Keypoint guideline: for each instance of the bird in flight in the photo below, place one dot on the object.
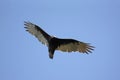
(54, 43)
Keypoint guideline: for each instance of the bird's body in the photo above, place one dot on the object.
(54, 43)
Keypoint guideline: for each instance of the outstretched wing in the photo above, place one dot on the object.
(37, 32)
(69, 45)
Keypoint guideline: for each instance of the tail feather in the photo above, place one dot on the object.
(51, 55)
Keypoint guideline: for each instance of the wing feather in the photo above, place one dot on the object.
(70, 45)
(35, 30)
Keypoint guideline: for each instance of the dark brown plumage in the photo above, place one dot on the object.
(54, 43)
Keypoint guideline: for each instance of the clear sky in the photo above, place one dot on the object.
(23, 57)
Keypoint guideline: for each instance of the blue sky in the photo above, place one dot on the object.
(23, 57)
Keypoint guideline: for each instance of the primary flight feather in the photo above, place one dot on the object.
(54, 43)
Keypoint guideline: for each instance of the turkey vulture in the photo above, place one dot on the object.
(54, 43)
